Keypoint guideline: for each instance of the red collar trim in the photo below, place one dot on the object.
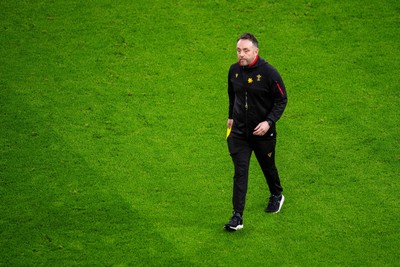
(252, 63)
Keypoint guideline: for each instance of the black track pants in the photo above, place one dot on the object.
(240, 151)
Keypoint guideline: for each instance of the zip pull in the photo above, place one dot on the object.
(245, 104)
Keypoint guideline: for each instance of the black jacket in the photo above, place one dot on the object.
(256, 93)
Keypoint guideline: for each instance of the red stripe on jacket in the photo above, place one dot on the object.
(280, 89)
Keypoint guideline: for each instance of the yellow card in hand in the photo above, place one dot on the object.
(228, 132)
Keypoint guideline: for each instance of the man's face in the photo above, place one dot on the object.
(246, 52)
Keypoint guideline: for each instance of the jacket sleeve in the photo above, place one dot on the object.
(231, 95)
(279, 97)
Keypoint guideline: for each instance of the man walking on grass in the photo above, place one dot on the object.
(257, 99)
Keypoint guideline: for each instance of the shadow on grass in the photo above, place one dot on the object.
(57, 209)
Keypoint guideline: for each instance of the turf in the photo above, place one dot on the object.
(113, 119)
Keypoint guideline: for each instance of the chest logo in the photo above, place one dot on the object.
(250, 80)
(259, 77)
(237, 74)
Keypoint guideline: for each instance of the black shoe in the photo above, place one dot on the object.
(236, 222)
(275, 203)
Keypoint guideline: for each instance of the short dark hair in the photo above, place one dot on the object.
(250, 37)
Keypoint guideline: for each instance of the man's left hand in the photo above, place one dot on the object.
(261, 129)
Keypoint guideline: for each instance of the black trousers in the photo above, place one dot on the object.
(240, 151)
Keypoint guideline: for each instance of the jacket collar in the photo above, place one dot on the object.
(257, 61)
(251, 64)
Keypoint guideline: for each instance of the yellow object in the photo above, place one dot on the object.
(228, 132)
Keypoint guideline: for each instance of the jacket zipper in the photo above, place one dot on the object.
(246, 106)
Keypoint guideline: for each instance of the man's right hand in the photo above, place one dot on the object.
(230, 123)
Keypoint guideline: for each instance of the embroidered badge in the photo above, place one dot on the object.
(250, 80)
(259, 77)
(237, 74)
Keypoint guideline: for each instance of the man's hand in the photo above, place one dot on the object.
(261, 129)
(230, 123)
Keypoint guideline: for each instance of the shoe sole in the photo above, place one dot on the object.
(233, 229)
(280, 205)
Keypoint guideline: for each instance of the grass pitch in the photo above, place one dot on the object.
(113, 121)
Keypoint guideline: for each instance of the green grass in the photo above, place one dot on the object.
(113, 118)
